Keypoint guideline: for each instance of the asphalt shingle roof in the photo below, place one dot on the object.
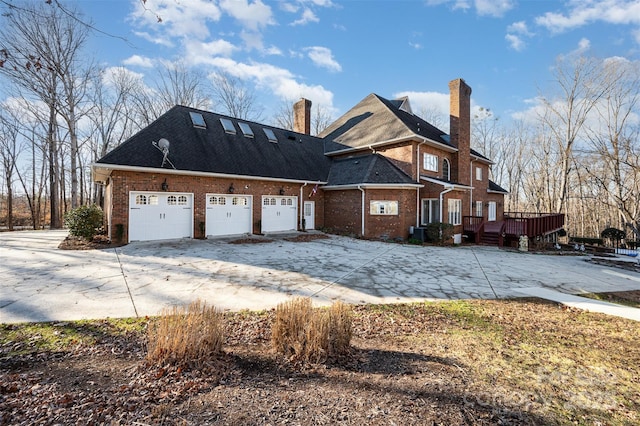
(376, 119)
(495, 187)
(366, 169)
(295, 156)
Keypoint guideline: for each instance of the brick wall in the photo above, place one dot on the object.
(343, 213)
(124, 182)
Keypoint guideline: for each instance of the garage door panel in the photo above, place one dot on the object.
(228, 215)
(279, 213)
(160, 216)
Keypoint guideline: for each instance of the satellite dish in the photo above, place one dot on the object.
(163, 144)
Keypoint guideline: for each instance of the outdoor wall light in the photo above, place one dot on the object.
(281, 191)
(231, 189)
(164, 185)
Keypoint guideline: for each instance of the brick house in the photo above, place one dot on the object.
(376, 172)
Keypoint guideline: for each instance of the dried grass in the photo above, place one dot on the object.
(302, 333)
(185, 337)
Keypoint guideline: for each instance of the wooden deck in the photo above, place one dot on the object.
(514, 225)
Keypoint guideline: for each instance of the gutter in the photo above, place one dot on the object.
(418, 190)
(108, 168)
(448, 189)
(471, 191)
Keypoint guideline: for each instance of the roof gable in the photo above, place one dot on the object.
(211, 149)
(376, 119)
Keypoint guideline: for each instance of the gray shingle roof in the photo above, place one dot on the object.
(497, 188)
(376, 119)
(366, 169)
(295, 156)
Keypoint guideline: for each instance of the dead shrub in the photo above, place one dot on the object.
(302, 333)
(184, 337)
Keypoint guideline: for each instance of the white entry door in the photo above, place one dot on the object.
(309, 215)
(160, 215)
(279, 213)
(228, 214)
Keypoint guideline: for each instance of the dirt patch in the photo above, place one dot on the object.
(302, 238)
(629, 266)
(78, 243)
(509, 362)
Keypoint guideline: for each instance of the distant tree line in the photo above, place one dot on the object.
(63, 111)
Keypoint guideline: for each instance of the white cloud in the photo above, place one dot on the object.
(253, 16)
(289, 7)
(307, 16)
(138, 61)
(519, 27)
(323, 57)
(279, 81)
(586, 12)
(178, 19)
(273, 51)
(416, 46)
(196, 52)
(515, 42)
(495, 8)
(155, 39)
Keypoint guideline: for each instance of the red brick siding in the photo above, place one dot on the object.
(125, 182)
(343, 213)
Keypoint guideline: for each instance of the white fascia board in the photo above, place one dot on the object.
(484, 160)
(416, 138)
(446, 184)
(104, 170)
(373, 186)
(497, 192)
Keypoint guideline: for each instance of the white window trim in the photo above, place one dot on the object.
(478, 173)
(479, 209)
(447, 169)
(430, 162)
(426, 217)
(383, 208)
(455, 211)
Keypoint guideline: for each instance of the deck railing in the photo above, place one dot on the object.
(532, 224)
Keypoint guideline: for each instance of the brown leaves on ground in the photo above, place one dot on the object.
(467, 362)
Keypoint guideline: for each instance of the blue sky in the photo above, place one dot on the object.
(337, 52)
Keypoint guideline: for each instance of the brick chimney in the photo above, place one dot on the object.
(302, 116)
(460, 129)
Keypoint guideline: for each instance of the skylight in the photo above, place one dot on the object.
(228, 126)
(245, 129)
(270, 135)
(197, 119)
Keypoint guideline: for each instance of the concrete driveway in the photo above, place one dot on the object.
(38, 282)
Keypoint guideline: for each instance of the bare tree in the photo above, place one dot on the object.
(565, 113)
(174, 84)
(41, 47)
(614, 142)
(234, 98)
(9, 151)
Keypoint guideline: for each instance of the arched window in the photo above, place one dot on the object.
(446, 169)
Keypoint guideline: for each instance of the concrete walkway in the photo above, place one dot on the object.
(589, 305)
(39, 282)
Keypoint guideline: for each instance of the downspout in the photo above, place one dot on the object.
(449, 189)
(363, 211)
(471, 190)
(302, 206)
(418, 189)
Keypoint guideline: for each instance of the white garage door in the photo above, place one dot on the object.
(228, 214)
(279, 213)
(160, 215)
